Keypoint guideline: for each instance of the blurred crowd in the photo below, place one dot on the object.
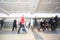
(44, 24)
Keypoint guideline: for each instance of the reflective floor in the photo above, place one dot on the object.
(7, 34)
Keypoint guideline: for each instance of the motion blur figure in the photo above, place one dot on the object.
(22, 23)
(41, 24)
(31, 24)
(57, 20)
(35, 22)
(1, 23)
(14, 25)
(46, 25)
(52, 23)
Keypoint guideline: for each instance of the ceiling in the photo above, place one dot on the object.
(21, 6)
(49, 6)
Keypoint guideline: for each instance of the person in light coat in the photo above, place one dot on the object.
(31, 24)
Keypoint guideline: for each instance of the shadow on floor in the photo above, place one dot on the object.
(52, 32)
(37, 36)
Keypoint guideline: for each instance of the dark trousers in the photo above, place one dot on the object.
(22, 26)
(42, 27)
(14, 28)
(53, 27)
(1, 25)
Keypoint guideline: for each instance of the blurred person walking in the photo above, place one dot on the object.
(41, 24)
(57, 21)
(22, 23)
(1, 23)
(31, 24)
(14, 25)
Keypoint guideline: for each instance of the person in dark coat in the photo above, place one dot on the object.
(45, 24)
(1, 23)
(35, 22)
(52, 23)
(57, 20)
(14, 25)
(41, 24)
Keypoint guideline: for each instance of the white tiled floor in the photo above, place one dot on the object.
(7, 34)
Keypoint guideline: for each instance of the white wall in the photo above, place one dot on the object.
(29, 15)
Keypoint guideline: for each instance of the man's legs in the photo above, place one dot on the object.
(13, 29)
(24, 28)
(1, 26)
(19, 29)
